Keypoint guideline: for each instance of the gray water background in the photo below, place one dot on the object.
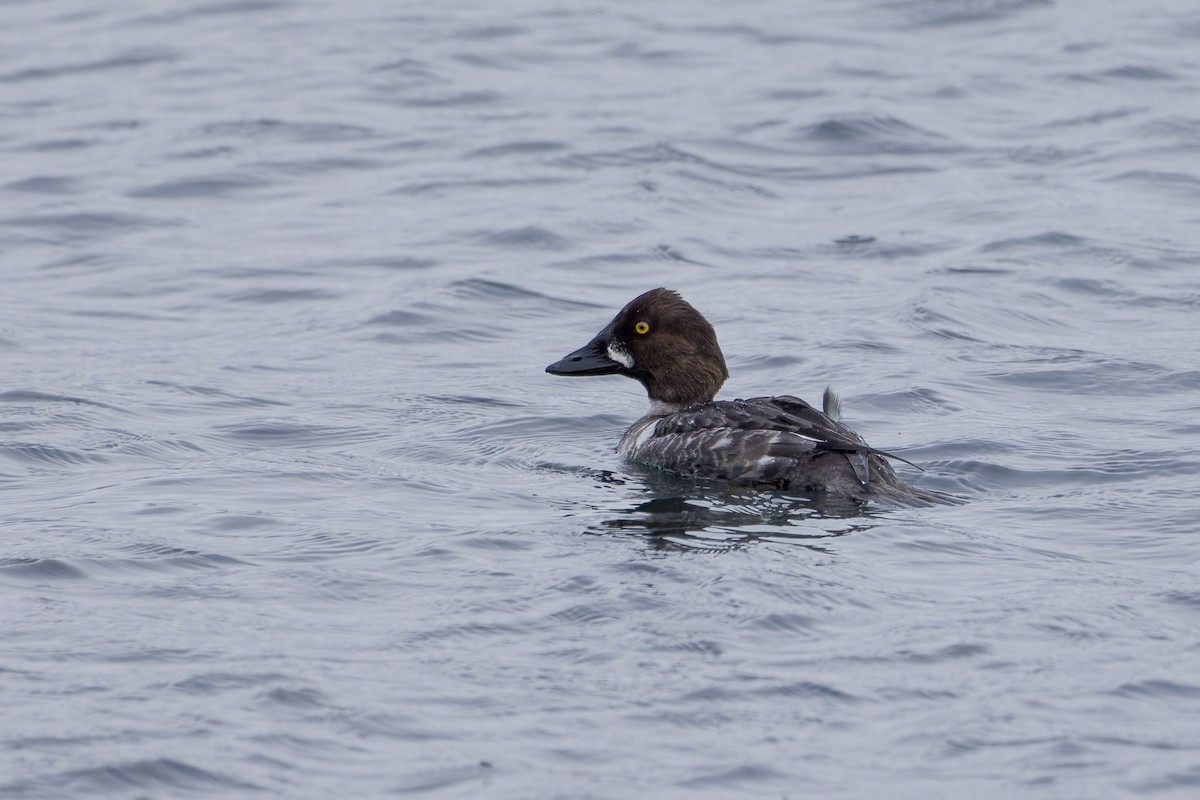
(291, 510)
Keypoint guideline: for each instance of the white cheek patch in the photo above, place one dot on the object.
(620, 355)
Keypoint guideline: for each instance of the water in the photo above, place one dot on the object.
(290, 508)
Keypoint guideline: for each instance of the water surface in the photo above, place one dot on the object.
(292, 510)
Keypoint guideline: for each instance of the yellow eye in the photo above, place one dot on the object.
(642, 327)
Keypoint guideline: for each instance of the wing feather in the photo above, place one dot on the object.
(758, 440)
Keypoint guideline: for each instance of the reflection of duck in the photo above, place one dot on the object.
(782, 442)
(691, 514)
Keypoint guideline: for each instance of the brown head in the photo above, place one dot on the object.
(660, 340)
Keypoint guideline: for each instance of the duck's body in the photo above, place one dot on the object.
(781, 442)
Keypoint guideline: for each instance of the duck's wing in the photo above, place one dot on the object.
(833, 434)
(760, 440)
(715, 443)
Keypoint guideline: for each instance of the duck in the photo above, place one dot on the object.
(664, 343)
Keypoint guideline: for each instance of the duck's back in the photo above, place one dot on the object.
(767, 441)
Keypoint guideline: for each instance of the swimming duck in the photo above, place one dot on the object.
(660, 340)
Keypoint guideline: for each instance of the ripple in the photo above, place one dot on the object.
(215, 9)
(951, 652)
(424, 780)
(518, 149)
(48, 455)
(216, 396)
(1163, 689)
(283, 432)
(1128, 72)
(32, 396)
(40, 569)
(215, 683)
(45, 184)
(137, 57)
(809, 689)
(742, 777)
(164, 775)
(301, 132)
(1176, 183)
(964, 12)
(499, 291)
(873, 134)
(199, 187)
(87, 225)
(1181, 129)
(387, 262)
(402, 319)
(1103, 376)
(303, 698)
(1190, 600)
(320, 166)
(452, 99)
(58, 144)
(526, 238)
(1046, 240)
(272, 296)
(787, 623)
(661, 153)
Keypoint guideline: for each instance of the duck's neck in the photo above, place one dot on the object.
(660, 408)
